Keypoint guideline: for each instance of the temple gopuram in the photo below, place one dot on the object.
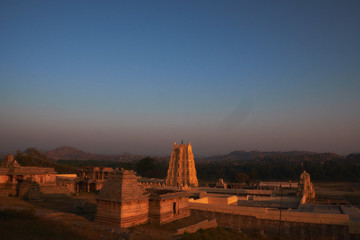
(182, 172)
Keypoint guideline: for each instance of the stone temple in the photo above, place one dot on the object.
(121, 201)
(182, 172)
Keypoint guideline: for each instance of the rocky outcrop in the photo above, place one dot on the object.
(71, 153)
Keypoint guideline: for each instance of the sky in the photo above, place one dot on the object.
(137, 76)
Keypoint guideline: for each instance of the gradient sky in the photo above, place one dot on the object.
(135, 76)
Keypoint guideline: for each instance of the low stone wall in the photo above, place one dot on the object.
(201, 225)
(269, 198)
(216, 200)
(293, 225)
(274, 214)
(288, 230)
(238, 192)
(161, 211)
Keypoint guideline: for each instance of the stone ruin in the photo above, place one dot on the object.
(221, 184)
(92, 179)
(305, 188)
(9, 162)
(182, 172)
(12, 175)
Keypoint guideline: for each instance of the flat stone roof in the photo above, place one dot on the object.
(163, 194)
(319, 208)
(26, 171)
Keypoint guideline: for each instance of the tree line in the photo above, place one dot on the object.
(269, 168)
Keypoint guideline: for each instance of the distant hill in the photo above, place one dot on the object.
(71, 153)
(290, 155)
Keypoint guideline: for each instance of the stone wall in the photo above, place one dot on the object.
(274, 214)
(167, 210)
(294, 224)
(226, 200)
(126, 214)
(4, 179)
(29, 190)
(201, 225)
(121, 202)
(288, 230)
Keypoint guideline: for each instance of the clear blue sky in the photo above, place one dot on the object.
(135, 76)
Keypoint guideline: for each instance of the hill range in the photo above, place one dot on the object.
(71, 153)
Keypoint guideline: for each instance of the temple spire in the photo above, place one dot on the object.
(182, 172)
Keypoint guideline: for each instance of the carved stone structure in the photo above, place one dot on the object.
(121, 201)
(167, 205)
(146, 183)
(305, 187)
(221, 184)
(92, 179)
(9, 161)
(12, 174)
(182, 172)
(67, 182)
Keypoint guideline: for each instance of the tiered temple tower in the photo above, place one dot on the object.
(121, 201)
(182, 172)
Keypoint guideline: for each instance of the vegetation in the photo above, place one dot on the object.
(147, 167)
(281, 168)
(33, 157)
(232, 168)
(152, 168)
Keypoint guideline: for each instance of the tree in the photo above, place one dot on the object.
(242, 177)
(151, 168)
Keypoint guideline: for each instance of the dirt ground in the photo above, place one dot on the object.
(78, 213)
(61, 210)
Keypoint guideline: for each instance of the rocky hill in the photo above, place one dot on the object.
(290, 156)
(71, 153)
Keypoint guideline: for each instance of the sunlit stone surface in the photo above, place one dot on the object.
(121, 201)
(182, 172)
